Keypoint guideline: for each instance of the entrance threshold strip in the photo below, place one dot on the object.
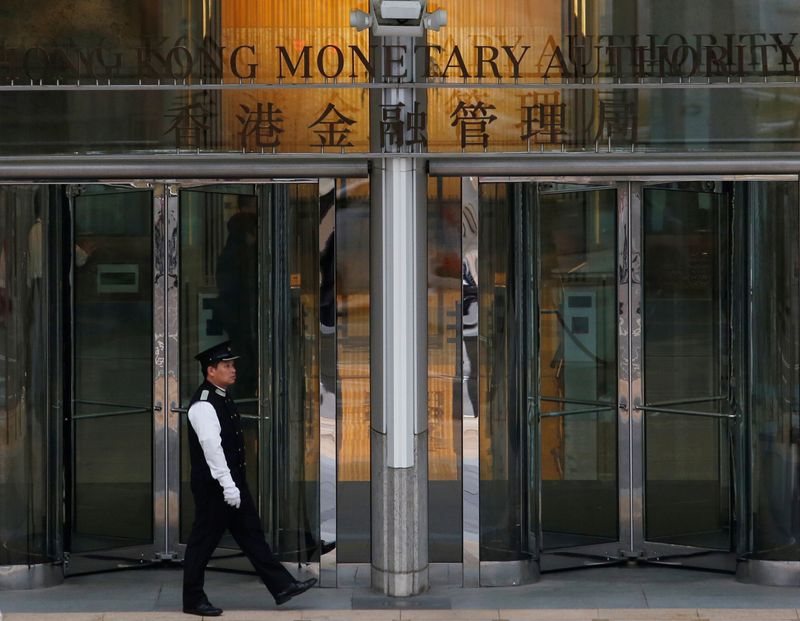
(386, 613)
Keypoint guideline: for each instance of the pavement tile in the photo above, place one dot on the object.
(545, 614)
(657, 614)
(146, 616)
(351, 615)
(53, 616)
(772, 614)
(461, 614)
(255, 615)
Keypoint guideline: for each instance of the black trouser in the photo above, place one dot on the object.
(212, 517)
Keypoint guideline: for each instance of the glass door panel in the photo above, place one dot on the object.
(112, 415)
(502, 427)
(250, 273)
(688, 435)
(629, 352)
(219, 301)
(774, 383)
(575, 240)
(295, 433)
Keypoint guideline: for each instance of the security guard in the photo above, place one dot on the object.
(222, 499)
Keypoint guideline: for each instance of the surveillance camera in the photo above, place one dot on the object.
(360, 20)
(400, 9)
(398, 18)
(435, 20)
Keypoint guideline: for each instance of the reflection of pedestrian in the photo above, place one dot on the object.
(237, 304)
(219, 486)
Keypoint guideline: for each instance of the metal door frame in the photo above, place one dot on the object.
(631, 543)
(326, 568)
(166, 410)
(141, 554)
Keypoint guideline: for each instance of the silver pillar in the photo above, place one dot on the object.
(399, 379)
(399, 340)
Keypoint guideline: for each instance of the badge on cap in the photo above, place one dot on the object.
(215, 354)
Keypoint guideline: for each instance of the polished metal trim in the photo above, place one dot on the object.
(660, 550)
(172, 372)
(599, 404)
(686, 401)
(103, 403)
(615, 164)
(328, 409)
(588, 84)
(605, 183)
(563, 413)
(26, 577)
(267, 249)
(160, 448)
(114, 413)
(470, 436)
(628, 363)
(509, 573)
(643, 408)
(768, 573)
(184, 166)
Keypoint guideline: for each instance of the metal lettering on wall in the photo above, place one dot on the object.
(200, 95)
(547, 121)
(621, 58)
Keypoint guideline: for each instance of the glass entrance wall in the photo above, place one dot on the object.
(452, 359)
(711, 436)
(574, 240)
(295, 457)
(112, 415)
(774, 357)
(31, 382)
(348, 281)
(250, 273)
(687, 293)
(504, 452)
(220, 300)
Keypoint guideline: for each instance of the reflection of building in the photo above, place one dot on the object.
(563, 355)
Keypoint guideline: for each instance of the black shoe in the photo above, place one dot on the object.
(205, 609)
(294, 589)
(326, 546)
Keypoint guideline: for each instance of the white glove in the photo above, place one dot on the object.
(232, 496)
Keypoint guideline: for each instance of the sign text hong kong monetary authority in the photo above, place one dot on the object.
(621, 57)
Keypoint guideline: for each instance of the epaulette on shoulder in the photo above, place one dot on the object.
(204, 396)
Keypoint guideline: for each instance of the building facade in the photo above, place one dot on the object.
(515, 285)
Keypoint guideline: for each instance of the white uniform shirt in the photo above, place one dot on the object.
(205, 423)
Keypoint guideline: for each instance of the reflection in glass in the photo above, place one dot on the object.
(775, 360)
(577, 293)
(502, 418)
(446, 355)
(112, 425)
(30, 372)
(352, 365)
(686, 305)
(295, 430)
(219, 300)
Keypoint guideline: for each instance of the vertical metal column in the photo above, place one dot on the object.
(160, 401)
(328, 398)
(172, 316)
(636, 399)
(398, 361)
(469, 429)
(627, 360)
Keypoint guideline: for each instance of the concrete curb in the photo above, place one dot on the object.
(622, 614)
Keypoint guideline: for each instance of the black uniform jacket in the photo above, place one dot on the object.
(231, 437)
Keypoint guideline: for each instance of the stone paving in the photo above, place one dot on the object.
(607, 594)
